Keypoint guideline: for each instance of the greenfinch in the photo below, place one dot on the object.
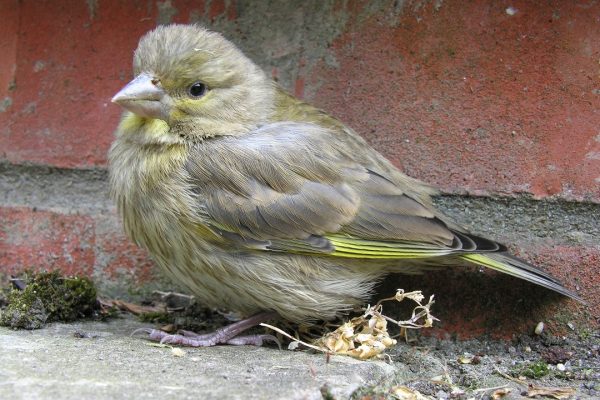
(261, 203)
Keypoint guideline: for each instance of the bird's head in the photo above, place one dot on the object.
(196, 83)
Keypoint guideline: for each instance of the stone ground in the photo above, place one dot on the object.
(101, 360)
(54, 363)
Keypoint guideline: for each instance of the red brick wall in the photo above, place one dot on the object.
(479, 98)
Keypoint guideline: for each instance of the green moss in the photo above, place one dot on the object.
(585, 333)
(534, 370)
(49, 297)
(156, 317)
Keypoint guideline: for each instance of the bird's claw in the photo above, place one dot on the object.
(254, 340)
(189, 339)
(144, 330)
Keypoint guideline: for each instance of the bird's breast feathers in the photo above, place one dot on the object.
(149, 184)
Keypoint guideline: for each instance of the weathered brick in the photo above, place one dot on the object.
(72, 243)
(471, 303)
(464, 96)
(41, 239)
(475, 100)
(70, 61)
(8, 48)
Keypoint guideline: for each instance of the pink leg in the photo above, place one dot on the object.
(226, 335)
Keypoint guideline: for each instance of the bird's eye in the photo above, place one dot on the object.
(198, 89)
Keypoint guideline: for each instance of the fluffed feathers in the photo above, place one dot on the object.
(258, 201)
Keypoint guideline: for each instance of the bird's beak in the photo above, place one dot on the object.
(142, 96)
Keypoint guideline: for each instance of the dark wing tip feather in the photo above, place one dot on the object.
(514, 266)
(479, 244)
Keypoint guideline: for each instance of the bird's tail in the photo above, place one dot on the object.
(513, 266)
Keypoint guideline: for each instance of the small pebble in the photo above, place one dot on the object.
(527, 349)
(177, 352)
(539, 328)
(561, 367)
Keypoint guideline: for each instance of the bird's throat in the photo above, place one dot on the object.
(143, 130)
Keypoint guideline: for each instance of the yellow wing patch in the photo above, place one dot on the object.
(350, 247)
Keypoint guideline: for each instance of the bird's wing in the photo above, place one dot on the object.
(293, 187)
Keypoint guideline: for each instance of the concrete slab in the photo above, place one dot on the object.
(56, 363)
(52, 363)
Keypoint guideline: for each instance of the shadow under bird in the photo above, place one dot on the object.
(262, 204)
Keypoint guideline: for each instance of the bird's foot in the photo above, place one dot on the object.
(226, 335)
(208, 340)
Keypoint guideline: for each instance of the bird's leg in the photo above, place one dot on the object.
(225, 335)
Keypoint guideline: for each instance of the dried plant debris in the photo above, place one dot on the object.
(363, 337)
(177, 352)
(500, 393)
(367, 336)
(172, 311)
(445, 368)
(135, 309)
(406, 393)
(559, 393)
(48, 297)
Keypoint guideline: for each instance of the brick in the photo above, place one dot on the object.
(463, 96)
(40, 239)
(576, 266)
(78, 244)
(70, 62)
(8, 48)
(472, 99)
(471, 303)
(468, 304)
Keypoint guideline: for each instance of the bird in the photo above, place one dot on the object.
(263, 204)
